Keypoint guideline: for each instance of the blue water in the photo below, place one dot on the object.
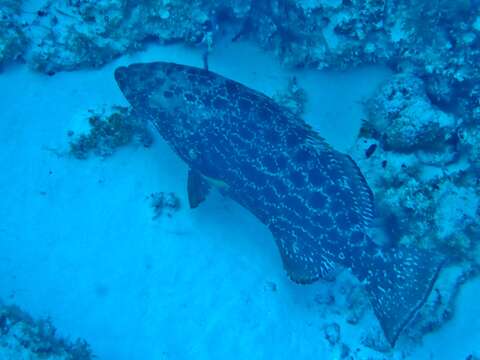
(80, 243)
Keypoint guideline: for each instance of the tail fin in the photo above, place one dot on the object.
(398, 282)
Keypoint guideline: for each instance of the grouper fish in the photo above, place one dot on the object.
(314, 199)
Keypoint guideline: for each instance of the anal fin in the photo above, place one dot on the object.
(197, 188)
(303, 263)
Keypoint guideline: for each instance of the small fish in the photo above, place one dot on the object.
(314, 199)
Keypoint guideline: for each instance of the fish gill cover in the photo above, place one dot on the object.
(415, 161)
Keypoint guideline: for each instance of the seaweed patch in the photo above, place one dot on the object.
(108, 131)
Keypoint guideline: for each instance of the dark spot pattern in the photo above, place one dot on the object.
(219, 103)
(317, 177)
(297, 179)
(189, 97)
(303, 156)
(318, 200)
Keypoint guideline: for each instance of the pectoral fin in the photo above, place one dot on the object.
(197, 187)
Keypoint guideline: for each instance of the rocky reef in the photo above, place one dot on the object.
(439, 42)
(77, 34)
(422, 168)
(13, 40)
(421, 161)
(403, 118)
(22, 337)
(68, 35)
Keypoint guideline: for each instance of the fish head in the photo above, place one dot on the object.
(156, 85)
(171, 97)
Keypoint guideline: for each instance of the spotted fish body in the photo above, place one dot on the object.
(314, 199)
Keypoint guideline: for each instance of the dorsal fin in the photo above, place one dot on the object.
(360, 193)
